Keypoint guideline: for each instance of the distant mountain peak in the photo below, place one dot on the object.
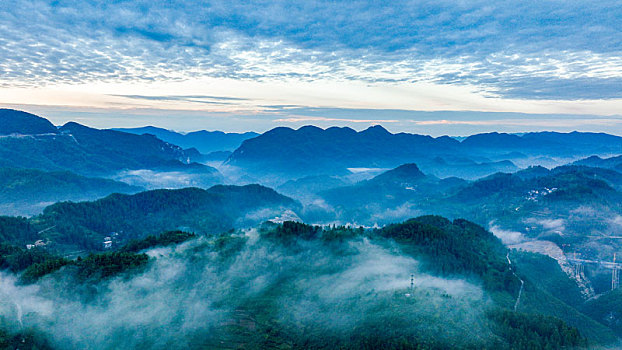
(19, 122)
(408, 169)
(376, 130)
(493, 139)
(343, 128)
(309, 128)
(75, 126)
(404, 173)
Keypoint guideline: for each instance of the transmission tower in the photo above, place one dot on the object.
(615, 275)
(578, 270)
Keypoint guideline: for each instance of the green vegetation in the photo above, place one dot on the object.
(293, 285)
(38, 270)
(549, 276)
(549, 291)
(529, 331)
(301, 286)
(105, 265)
(290, 231)
(537, 301)
(162, 240)
(36, 263)
(84, 225)
(16, 259)
(458, 247)
(606, 309)
(16, 230)
(28, 340)
(94, 266)
(583, 199)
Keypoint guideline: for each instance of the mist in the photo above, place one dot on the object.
(152, 179)
(506, 236)
(190, 295)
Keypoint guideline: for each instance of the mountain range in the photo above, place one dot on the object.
(283, 154)
(313, 151)
(37, 144)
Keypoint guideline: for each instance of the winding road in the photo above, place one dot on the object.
(522, 283)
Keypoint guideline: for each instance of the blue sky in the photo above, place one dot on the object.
(437, 67)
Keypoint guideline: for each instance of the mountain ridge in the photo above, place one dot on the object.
(213, 210)
(310, 150)
(20, 122)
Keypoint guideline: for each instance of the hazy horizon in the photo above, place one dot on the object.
(438, 68)
(431, 125)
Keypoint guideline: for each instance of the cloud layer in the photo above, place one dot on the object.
(526, 50)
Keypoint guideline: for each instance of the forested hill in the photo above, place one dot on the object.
(295, 286)
(84, 225)
(462, 249)
(458, 247)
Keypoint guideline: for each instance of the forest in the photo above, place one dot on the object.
(352, 283)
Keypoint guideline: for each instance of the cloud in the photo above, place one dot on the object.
(557, 226)
(166, 179)
(551, 121)
(507, 236)
(216, 100)
(298, 119)
(402, 212)
(553, 50)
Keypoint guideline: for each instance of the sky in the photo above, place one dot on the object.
(430, 67)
